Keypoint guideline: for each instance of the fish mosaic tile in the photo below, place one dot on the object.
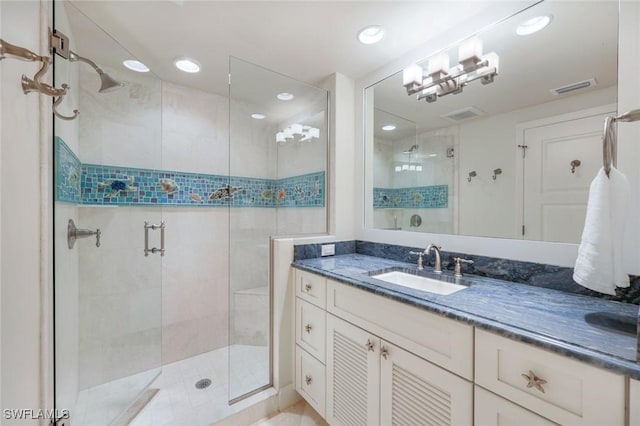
(423, 197)
(113, 185)
(67, 170)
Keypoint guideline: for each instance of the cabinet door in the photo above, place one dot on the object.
(492, 410)
(353, 375)
(416, 392)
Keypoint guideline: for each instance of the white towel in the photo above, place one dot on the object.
(599, 263)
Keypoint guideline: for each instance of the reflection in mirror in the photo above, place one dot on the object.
(498, 158)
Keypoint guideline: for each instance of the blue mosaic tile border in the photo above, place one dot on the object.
(423, 197)
(113, 185)
(67, 172)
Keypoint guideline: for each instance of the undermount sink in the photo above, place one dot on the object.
(419, 282)
(613, 322)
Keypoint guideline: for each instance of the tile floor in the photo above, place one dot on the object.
(300, 414)
(179, 403)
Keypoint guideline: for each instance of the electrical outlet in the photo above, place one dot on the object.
(328, 249)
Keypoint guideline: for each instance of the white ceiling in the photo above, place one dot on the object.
(580, 43)
(307, 40)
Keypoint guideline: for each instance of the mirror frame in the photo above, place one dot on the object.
(561, 254)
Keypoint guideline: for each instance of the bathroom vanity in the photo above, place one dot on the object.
(371, 352)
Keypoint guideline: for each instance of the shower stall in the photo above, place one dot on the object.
(172, 195)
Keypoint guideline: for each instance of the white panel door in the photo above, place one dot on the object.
(555, 195)
(416, 392)
(353, 375)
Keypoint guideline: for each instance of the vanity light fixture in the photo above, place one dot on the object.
(441, 80)
(285, 96)
(187, 65)
(371, 34)
(533, 25)
(136, 66)
(258, 116)
(388, 127)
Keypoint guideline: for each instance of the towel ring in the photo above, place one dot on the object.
(609, 145)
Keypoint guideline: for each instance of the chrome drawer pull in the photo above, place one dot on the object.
(307, 287)
(307, 379)
(307, 328)
(534, 381)
(370, 347)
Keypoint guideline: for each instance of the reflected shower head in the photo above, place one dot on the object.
(107, 83)
(410, 150)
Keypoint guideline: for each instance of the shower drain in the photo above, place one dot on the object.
(203, 383)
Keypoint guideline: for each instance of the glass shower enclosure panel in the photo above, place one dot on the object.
(277, 181)
(106, 161)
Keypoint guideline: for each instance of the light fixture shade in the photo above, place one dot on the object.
(398, 168)
(288, 133)
(412, 75)
(296, 129)
(405, 167)
(438, 64)
(418, 168)
(493, 60)
(470, 52)
(280, 137)
(314, 132)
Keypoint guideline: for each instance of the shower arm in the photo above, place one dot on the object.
(11, 51)
(74, 57)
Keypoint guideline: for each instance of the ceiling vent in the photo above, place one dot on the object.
(463, 114)
(574, 86)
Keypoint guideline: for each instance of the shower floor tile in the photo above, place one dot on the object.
(179, 402)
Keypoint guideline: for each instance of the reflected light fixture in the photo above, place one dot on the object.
(187, 65)
(440, 80)
(533, 25)
(298, 131)
(285, 96)
(258, 116)
(136, 66)
(388, 127)
(371, 34)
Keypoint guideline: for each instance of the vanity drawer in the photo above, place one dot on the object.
(492, 410)
(310, 380)
(575, 393)
(311, 328)
(440, 340)
(311, 287)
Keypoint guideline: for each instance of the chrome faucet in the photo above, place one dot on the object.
(437, 267)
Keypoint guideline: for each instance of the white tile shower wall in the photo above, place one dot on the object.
(195, 281)
(122, 127)
(120, 296)
(194, 131)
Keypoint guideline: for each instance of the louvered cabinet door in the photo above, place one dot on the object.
(414, 392)
(353, 375)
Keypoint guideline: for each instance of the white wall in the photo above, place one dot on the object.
(23, 282)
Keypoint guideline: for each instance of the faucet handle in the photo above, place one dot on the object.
(457, 272)
(420, 262)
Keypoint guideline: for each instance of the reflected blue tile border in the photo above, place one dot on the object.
(423, 197)
(114, 185)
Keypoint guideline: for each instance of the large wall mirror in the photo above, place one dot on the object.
(509, 152)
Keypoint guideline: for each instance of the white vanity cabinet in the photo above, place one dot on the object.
(565, 391)
(492, 410)
(373, 382)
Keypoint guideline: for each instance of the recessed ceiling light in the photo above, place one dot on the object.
(285, 96)
(433, 155)
(187, 65)
(258, 116)
(134, 65)
(533, 25)
(388, 127)
(371, 34)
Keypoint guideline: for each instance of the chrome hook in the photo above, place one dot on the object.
(58, 101)
(574, 164)
(472, 174)
(496, 172)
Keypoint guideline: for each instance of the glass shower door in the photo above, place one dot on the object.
(107, 291)
(277, 165)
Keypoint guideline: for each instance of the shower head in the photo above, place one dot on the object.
(107, 83)
(410, 150)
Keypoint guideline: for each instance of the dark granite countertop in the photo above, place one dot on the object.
(546, 318)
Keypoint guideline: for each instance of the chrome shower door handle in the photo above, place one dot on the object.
(153, 227)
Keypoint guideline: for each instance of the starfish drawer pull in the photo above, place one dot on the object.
(534, 381)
